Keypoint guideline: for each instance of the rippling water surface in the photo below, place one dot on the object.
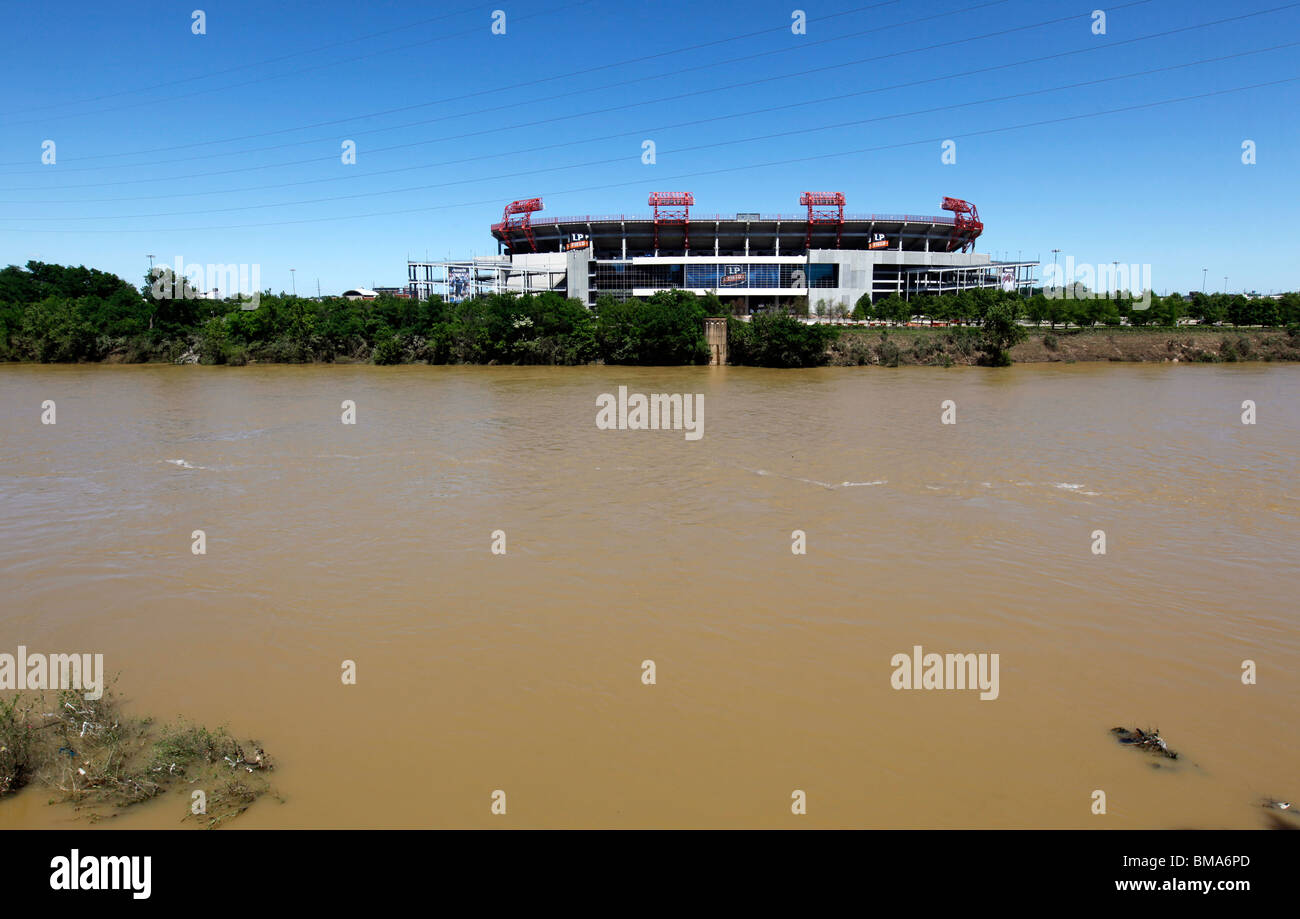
(522, 672)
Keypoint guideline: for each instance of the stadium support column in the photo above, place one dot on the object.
(715, 333)
(575, 274)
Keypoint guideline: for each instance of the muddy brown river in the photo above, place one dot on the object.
(523, 672)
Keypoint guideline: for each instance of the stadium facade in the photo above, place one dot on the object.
(752, 261)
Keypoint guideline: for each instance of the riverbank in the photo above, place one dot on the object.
(944, 347)
(53, 314)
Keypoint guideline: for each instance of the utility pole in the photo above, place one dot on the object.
(151, 312)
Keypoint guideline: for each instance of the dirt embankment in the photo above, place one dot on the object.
(945, 347)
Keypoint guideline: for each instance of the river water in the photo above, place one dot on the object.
(523, 671)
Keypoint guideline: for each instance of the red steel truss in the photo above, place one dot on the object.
(517, 217)
(967, 226)
(673, 208)
(824, 207)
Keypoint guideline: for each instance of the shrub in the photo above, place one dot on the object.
(778, 340)
(388, 350)
(850, 351)
(667, 329)
(887, 353)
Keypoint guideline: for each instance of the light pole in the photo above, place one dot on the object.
(1203, 270)
(1114, 279)
(294, 279)
(1225, 283)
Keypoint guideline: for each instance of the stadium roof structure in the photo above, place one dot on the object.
(672, 228)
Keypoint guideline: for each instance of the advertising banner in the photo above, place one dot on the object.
(457, 284)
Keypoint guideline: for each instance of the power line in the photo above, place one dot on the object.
(531, 82)
(802, 129)
(577, 92)
(696, 174)
(745, 83)
(353, 175)
(216, 73)
(331, 64)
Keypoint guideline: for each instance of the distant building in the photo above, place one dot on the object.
(359, 293)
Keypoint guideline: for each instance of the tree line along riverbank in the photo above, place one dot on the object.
(53, 313)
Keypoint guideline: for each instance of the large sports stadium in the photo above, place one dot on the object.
(819, 256)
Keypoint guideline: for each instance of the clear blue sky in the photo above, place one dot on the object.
(160, 134)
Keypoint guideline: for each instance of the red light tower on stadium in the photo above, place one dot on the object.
(965, 229)
(824, 207)
(517, 217)
(673, 208)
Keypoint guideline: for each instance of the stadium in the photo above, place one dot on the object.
(821, 256)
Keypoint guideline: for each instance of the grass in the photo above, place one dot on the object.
(17, 742)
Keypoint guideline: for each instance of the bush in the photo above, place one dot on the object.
(1235, 349)
(666, 329)
(850, 351)
(926, 349)
(778, 340)
(387, 351)
(887, 352)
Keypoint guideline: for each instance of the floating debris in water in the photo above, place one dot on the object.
(1150, 741)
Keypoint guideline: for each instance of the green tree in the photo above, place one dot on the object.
(1002, 331)
(1037, 309)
